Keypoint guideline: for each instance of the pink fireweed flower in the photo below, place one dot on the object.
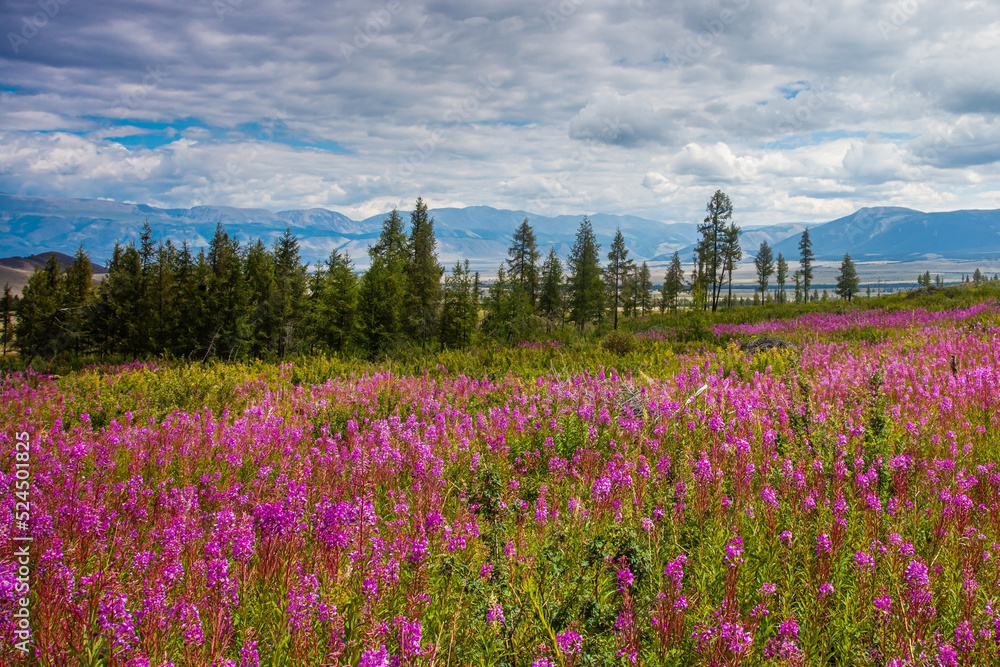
(734, 552)
(625, 579)
(863, 562)
(674, 571)
(768, 589)
(786, 538)
(570, 643)
(825, 590)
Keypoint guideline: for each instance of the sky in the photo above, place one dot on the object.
(800, 110)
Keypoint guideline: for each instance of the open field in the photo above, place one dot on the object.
(833, 503)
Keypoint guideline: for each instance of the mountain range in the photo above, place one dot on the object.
(33, 225)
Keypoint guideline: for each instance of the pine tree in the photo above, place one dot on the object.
(764, 264)
(550, 299)
(586, 292)
(617, 273)
(227, 298)
(458, 314)
(977, 276)
(781, 277)
(187, 322)
(423, 295)
(848, 283)
(522, 263)
(264, 314)
(8, 304)
(37, 327)
(381, 295)
(120, 305)
(806, 261)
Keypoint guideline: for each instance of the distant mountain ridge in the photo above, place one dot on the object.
(32, 225)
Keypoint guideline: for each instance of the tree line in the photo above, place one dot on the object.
(236, 300)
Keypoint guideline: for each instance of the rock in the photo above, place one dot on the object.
(766, 343)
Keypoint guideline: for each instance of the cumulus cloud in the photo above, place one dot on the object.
(801, 110)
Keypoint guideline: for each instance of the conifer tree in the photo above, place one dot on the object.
(617, 273)
(8, 304)
(382, 290)
(263, 314)
(806, 257)
(334, 303)
(732, 254)
(781, 277)
(423, 295)
(710, 248)
(499, 319)
(645, 284)
(38, 311)
(551, 297)
(458, 313)
(764, 264)
(848, 283)
(586, 292)
(522, 263)
(227, 299)
(673, 285)
(290, 280)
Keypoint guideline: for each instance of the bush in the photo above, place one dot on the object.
(619, 342)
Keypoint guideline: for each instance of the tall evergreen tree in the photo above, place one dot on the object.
(383, 285)
(334, 303)
(8, 304)
(710, 247)
(37, 331)
(522, 263)
(798, 287)
(290, 281)
(120, 306)
(75, 300)
(187, 322)
(586, 292)
(617, 273)
(227, 298)
(764, 264)
(806, 257)
(645, 284)
(264, 313)
(732, 254)
(550, 299)
(848, 283)
(781, 277)
(423, 295)
(673, 285)
(499, 319)
(459, 312)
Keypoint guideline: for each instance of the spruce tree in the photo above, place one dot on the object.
(226, 299)
(645, 284)
(848, 283)
(764, 264)
(459, 312)
(7, 305)
(333, 302)
(673, 285)
(586, 292)
(38, 312)
(806, 258)
(423, 295)
(382, 290)
(290, 281)
(499, 319)
(263, 314)
(550, 299)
